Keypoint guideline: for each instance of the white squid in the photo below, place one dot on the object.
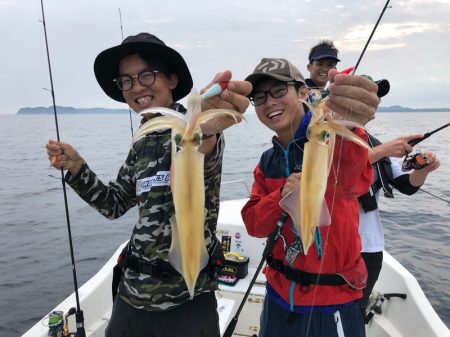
(187, 254)
(306, 205)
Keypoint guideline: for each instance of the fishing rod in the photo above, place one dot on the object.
(129, 109)
(267, 250)
(352, 70)
(417, 161)
(416, 141)
(79, 313)
(120, 18)
(371, 35)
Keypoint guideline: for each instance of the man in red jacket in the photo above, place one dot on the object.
(313, 294)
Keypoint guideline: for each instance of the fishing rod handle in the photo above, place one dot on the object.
(269, 245)
(273, 236)
(415, 141)
(79, 319)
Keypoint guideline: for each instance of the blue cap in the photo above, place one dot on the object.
(324, 53)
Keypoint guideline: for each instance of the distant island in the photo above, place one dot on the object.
(67, 110)
(398, 108)
(92, 111)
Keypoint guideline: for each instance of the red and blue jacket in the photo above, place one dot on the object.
(350, 176)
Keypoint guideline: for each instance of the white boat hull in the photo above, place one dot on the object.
(411, 317)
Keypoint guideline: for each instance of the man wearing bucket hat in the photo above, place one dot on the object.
(306, 294)
(152, 297)
(388, 174)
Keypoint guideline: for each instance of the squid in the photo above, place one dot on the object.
(306, 205)
(187, 253)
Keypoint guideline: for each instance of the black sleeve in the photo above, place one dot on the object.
(402, 184)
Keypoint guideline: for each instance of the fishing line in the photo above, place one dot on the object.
(324, 247)
(433, 195)
(129, 109)
(79, 313)
(239, 181)
(296, 146)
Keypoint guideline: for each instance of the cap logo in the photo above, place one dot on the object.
(274, 65)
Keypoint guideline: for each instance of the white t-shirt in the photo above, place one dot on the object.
(370, 228)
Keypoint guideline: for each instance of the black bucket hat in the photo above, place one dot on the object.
(106, 65)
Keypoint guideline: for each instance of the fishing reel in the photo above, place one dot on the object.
(376, 301)
(375, 304)
(58, 325)
(415, 161)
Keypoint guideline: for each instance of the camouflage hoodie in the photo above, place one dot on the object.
(143, 180)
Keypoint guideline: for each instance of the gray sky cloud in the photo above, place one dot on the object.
(410, 47)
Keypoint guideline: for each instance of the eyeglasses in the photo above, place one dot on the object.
(145, 78)
(276, 91)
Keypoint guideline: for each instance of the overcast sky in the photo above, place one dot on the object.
(411, 46)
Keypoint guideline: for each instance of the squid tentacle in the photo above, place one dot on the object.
(157, 124)
(164, 112)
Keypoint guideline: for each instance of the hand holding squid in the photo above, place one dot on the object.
(234, 97)
(352, 97)
(292, 183)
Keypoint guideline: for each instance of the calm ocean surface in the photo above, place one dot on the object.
(35, 267)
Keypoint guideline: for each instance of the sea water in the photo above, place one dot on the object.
(35, 265)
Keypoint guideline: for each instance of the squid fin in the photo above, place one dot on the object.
(175, 250)
(290, 203)
(331, 143)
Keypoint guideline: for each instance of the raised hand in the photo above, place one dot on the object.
(352, 97)
(63, 155)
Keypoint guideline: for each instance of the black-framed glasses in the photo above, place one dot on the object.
(276, 91)
(145, 78)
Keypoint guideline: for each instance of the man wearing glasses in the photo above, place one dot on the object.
(152, 297)
(305, 294)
